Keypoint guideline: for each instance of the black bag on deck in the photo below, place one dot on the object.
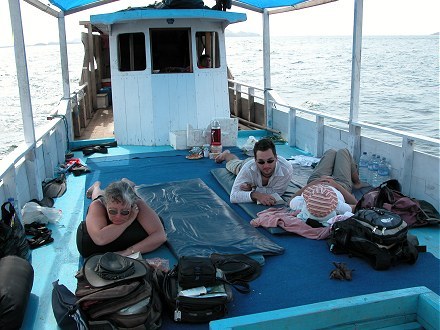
(16, 280)
(377, 235)
(388, 196)
(202, 305)
(237, 268)
(196, 271)
(12, 234)
(65, 309)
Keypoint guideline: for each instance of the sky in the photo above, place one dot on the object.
(381, 17)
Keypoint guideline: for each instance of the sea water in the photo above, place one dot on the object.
(399, 80)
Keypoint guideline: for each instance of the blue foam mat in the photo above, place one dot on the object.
(193, 214)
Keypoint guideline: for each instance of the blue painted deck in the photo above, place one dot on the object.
(414, 308)
(60, 260)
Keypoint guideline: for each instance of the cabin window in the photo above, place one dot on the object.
(131, 52)
(171, 50)
(208, 52)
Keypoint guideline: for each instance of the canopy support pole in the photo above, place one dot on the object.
(35, 188)
(354, 130)
(266, 68)
(65, 72)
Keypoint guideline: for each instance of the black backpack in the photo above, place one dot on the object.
(377, 235)
(197, 306)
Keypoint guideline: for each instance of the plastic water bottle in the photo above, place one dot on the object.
(370, 169)
(383, 171)
(375, 167)
(363, 167)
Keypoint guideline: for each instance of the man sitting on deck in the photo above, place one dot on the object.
(261, 179)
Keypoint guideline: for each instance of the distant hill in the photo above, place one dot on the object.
(435, 34)
(241, 34)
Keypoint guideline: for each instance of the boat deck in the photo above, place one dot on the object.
(101, 126)
(298, 277)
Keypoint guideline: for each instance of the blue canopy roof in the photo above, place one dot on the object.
(129, 15)
(261, 4)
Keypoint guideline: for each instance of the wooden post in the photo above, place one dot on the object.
(75, 115)
(238, 106)
(99, 64)
(407, 165)
(92, 80)
(292, 127)
(88, 96)
(319, 136)
(251, 104)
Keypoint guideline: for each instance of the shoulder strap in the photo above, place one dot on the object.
(8, 213)
(240, 286)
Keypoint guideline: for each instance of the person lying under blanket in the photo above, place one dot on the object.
(259, 179)
(118, 221)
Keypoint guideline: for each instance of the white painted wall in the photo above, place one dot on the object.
(148, 106)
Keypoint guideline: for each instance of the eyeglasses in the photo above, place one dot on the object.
(262, 162)
(115, 212)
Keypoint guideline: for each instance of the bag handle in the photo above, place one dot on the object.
(240, 286)
(7, 215)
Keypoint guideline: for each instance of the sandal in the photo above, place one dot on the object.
(40, 241)
(79, 170)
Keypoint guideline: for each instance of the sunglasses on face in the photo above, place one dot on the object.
(262, 162)
(115, 212)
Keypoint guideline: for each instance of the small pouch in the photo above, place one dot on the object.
(196, 271)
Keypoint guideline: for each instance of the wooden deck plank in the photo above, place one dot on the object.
(100, 126)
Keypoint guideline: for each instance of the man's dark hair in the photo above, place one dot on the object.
(263, 145)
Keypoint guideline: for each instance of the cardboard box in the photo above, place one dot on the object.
(178, 140)
(102, 100)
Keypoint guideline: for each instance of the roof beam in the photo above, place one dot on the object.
(246, 6)
(88, 6)
(43, 7)
(299, 6)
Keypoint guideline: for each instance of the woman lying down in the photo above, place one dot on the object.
(118, 221)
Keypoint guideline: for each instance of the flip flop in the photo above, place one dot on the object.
(79, 170)
(92, 150)
(36, 229)
(35, 243)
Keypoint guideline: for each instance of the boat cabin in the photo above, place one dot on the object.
(159, 85)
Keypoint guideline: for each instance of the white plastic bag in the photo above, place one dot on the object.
(32, 212)
(248, 147)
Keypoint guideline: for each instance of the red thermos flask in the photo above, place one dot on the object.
(216, 133)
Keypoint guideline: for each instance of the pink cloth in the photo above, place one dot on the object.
(281, 217)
